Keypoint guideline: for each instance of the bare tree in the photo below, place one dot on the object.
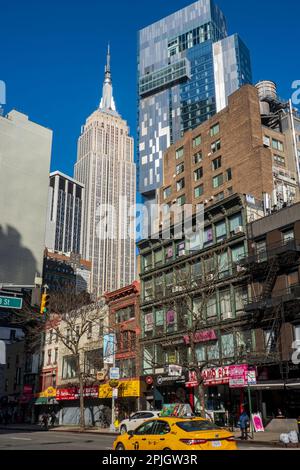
(74, 318)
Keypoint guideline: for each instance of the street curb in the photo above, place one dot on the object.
(77, 431)
(261, 443)
(60, 430)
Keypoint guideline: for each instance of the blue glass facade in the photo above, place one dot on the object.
(177, 75)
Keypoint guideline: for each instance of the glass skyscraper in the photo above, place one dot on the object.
(187, 68)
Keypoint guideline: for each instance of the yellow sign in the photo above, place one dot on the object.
(126, 389)
(50, 392)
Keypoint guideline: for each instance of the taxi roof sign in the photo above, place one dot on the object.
(176, 410)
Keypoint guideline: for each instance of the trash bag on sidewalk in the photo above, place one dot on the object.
(284, 438)
(293, 437)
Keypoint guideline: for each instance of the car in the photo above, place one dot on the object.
(135, 420)
(173, 433)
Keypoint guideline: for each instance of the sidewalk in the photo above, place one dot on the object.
(263, 439)
(38, 428)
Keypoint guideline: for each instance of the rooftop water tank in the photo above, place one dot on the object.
(266, 89)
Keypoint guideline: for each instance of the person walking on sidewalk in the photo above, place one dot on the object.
(244, 424)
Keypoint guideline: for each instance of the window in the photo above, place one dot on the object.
(148, 289)
(125, 314)
(229, 174)
(49, 361)
(216, 146)
(179, 153)
(181, 200)
(147, 262)
(55, 356)
(211, 308)
(198, 158)
(261, 250)
(288, 236)
(238, 253)
(217, 163)
(169, 252)
(214, 130)
(93, 361)
(223, 265)
(197, 141)
(241, 298)
(167, 192)
(148, 359)
(277, 145)
(198, 192)
(169, 279)
(198, 174)
(179, 168)
(196, 270)
(180, 249)
(225, 305)
(227, 342)
(217, 181)
(146, 428)
(159, 289)
(219, 197)
(235, 221)
(221, 231)
(180, 185)
(213, 352)
(297, 333)
(266, 140)
(159, 317)
(208, 236)
(244, 342)
(158, 257)
(69, 367)
(201, 353)
(279, 159)
(162, 428)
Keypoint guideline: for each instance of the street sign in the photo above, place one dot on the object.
(114, 373)
(11, 302)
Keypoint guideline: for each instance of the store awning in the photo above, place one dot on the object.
(41, 401)
(275, 385)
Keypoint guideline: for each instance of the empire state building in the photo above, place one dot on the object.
(105, 165)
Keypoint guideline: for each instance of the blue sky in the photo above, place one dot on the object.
(53, 52)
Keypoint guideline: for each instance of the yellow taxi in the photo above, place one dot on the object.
(172, 433)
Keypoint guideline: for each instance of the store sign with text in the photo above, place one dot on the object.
(73, 393)
(215, 376)
(238, 376)
(202, 337)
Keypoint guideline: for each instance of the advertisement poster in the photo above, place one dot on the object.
(238, 376)
(257, 422)
(109, 348)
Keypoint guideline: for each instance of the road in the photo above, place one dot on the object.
(14, 440)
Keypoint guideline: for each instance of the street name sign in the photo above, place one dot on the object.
(11, 302)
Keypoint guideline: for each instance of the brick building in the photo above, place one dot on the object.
(124, 322)
(274, 266)
(236, 151)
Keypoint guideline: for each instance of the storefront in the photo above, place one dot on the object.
(128, 399)
(164, 389)
(45, 402)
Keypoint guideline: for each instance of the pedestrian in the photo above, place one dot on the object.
(244, 424)
(45, 421)
(53, 418)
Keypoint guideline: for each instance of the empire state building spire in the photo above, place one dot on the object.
(107, 102)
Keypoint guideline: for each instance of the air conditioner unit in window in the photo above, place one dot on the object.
(239, 230)
(227, 316)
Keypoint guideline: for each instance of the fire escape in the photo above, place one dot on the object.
(269, 309)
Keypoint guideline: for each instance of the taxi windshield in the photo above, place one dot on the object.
(194, 426)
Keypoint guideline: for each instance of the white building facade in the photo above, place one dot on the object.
(105, 166)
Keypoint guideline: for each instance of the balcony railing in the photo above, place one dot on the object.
(289, 294)
(274, 249)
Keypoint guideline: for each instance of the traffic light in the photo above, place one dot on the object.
(45, 303)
